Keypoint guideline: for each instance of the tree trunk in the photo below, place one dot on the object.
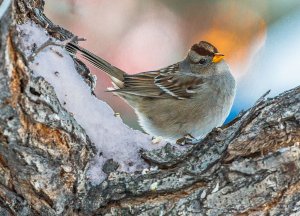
(249, 167)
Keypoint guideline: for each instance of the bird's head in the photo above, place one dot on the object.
(203, 55)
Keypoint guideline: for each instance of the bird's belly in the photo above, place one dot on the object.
(172, 119)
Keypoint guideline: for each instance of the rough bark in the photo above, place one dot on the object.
(249, 167)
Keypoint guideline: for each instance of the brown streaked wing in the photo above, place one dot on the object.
(164, 83)
(142, 84)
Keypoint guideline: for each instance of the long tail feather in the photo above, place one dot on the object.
(98, 62)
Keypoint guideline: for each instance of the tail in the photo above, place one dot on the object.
(116, 74)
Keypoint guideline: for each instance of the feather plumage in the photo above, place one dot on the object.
(167, 82)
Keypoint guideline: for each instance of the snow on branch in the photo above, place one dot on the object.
(112, 138)
(49, 119)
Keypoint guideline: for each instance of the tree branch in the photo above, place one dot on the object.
(249, 167)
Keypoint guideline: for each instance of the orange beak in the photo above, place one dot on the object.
(217, 57)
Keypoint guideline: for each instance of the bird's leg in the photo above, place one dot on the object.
(50, 42)
(186, 140)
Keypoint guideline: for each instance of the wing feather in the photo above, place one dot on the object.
(164, 83)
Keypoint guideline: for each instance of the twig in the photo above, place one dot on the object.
(49, 42)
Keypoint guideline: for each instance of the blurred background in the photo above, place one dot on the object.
(260, 39)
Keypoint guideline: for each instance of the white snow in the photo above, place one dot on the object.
(112, 138)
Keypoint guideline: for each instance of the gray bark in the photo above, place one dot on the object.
(249, 167)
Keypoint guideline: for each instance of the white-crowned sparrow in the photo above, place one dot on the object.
(189, 97)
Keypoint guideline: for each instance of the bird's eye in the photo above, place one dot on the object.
(202, 61)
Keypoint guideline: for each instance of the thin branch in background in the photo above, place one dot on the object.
(50, 42)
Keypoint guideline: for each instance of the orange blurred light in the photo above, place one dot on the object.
(238, 33)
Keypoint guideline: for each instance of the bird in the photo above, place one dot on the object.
(185, 99)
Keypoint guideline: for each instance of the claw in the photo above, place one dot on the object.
(186, 140)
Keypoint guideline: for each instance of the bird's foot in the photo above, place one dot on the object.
(156, 140)
(186, 140)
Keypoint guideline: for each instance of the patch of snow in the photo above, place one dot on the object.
(216, 188)
(112, 138)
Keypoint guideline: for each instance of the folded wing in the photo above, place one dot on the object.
(164, 83)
